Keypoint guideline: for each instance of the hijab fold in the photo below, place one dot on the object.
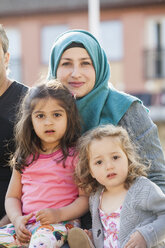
(103, 104)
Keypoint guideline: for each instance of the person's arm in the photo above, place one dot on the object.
(4, 221)
(144, 133)
(74, 210)
(143, 213)
(13, 197)
(13, 207)
(153, 231)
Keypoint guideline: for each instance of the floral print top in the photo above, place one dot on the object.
(111, 225)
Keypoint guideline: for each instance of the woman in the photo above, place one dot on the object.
(80, 63)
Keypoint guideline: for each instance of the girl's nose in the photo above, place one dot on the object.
(109, 166)
(48, 121)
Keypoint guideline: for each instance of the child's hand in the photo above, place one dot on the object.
(48, 216)
(23, 235)
(89, 233)
(136, 240)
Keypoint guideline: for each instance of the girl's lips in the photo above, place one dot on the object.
(49, 131)
(76, 84)
(111, 175)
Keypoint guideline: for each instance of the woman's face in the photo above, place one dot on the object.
(76, 71)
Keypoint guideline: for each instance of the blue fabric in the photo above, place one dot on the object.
(103, 104)
(65, 245)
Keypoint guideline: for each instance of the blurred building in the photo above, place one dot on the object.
(132, 33)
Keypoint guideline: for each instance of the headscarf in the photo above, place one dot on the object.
(103, 104)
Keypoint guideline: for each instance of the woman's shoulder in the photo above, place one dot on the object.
(136, 120)
(117, 105)
(136, 109)
(122, 97)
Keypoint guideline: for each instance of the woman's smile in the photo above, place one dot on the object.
(76, 84)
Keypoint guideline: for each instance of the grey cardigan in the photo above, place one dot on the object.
(143, 132)
(143, 210)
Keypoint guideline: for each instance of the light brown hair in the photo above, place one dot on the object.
(83, 176)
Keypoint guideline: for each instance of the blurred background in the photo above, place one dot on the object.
(132, 32)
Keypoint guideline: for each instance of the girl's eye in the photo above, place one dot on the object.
(39, 116)
(57, 114)
(99, 162)
(115, 157)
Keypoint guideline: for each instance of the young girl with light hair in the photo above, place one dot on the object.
(127, 209)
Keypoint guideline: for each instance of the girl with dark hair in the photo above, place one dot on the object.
(44, 198)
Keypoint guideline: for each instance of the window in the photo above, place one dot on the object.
(154, 55)
(112, 39)
(48, 37)
(15, 70)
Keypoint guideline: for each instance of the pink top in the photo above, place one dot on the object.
(47, 184)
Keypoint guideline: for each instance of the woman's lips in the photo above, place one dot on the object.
(76, 84)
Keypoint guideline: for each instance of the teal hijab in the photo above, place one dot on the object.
(104, 104)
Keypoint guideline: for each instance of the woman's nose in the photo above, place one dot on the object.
(75, 71)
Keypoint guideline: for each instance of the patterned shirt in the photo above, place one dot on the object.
(111, 226)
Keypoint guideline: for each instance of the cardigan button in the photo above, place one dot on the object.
(150, 228)
(98, 233)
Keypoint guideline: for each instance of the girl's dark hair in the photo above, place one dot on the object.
(28, 144)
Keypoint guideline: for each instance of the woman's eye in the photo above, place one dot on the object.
(66, 63)
(86, 63)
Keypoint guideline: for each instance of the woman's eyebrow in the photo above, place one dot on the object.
(85, 58)
(66, 58)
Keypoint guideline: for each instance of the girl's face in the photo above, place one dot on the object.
(49, 121)
(76, 71)
(108, 163)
